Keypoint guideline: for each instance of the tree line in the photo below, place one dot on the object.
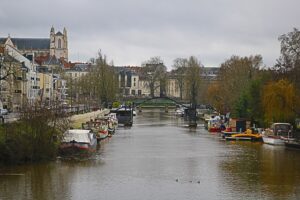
(248, 89)
(245, 87)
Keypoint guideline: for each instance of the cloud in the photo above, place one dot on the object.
(130, 32)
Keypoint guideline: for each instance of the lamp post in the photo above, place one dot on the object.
(24, 70)
(151, 84)
(1, 62)
(1, 65)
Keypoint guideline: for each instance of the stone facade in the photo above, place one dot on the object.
(59, 44)
(28, 80)
(56, 45)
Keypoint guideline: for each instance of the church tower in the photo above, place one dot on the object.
(52, 42)
(59, 44)
(65, 44)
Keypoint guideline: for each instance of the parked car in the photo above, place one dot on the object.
(3, 111)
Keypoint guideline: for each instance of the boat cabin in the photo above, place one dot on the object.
(280, 129)
(124, 115)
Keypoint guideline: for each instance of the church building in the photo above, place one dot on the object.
(54, 46)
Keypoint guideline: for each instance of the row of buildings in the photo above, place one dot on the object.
(38, 69)
(26, 69)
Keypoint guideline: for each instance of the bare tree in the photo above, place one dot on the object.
(180, 66)
(193, 79)
(35, 136)
(107, 80)
(288, 64)
(154, 72)
(10, 72)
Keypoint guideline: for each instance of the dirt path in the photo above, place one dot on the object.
(77, 120)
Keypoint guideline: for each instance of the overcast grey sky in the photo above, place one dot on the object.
(131, 31)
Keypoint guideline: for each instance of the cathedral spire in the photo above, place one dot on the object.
(52, 30)
(65, 31)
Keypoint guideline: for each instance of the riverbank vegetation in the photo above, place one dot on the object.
(98, 86)
(248, 89)
(35, 137)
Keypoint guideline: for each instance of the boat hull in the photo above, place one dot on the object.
(292, 144)
(67, 149)
(225, 134)
(245, 137)
(214, 130)
(273, 140)
(102, 135)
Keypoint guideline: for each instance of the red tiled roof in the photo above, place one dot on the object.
(40, 59)
(67, 65)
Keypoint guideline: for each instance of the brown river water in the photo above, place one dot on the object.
(158, 158)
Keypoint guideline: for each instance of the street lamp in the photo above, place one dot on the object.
(1, 65)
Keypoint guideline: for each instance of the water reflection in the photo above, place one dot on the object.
(42, 181)
(159, 158)
(262, 170)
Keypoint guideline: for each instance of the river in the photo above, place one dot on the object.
(158, 158)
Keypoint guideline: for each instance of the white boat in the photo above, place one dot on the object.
(273, 140)
(77, 141)
(179, 112)
(277, 133)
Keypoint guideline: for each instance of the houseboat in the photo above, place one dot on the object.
(124, 115)
(78, 141)
(213, 124)
(99, 126)
(277, 133)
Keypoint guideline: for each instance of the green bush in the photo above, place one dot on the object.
(116, 104)
(35, 137)
(22, 142)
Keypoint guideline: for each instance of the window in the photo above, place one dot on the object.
(59, 43)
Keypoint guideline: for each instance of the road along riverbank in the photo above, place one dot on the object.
(77, 120)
